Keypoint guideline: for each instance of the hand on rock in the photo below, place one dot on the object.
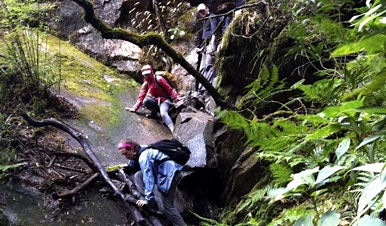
(141, 203)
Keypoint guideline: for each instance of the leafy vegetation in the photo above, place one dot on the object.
(26, 74)
(327, 164)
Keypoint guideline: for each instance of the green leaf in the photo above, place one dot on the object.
(14, 166)
(277, 193)
(319, 192)
(369, 193)
(115, 167)
(305, 220)
(316, 119)
(366, 220)
(372, 110)
(368, 140)
(325, 173)
(298, 84)
(376, 83)
(374, 168)
(372, 152)
(365, 44)
(324, 132)
(281, 173)
(343, 147)
(304, 177)
(347, 49)
(329, 218)
(233, 119)
(347, 108)
(380, 124)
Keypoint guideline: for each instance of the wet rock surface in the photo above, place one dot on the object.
(28, 206)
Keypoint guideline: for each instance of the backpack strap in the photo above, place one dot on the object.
(157, 162)
(141, 149)
(158, 83)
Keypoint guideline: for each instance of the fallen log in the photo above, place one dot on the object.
(98, 167)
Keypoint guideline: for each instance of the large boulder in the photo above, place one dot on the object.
(195, 129)
(115, 53)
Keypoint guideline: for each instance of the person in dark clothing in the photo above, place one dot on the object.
(209, 45)
(239, 3)
(156, 169)
(210, 24)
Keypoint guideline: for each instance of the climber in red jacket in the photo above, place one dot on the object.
(156, 96)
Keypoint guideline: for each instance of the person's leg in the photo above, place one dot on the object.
(203, 67)
(164, 111)
(152, 105)
(227, 21)
(168, 202)
(138, 181)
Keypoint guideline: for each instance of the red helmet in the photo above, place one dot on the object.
(146, 70)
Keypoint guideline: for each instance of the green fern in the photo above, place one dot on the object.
(254, 200)
(281, 174)
(207, 221)
(267, 85)
(289, 216)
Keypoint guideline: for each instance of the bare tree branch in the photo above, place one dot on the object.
(74, 191)
(150, 38)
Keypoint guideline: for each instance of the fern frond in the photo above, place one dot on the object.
(281, 174)
(233, 119)
(253, 200)
(264, 86)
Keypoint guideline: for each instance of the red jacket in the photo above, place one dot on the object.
(150, 88)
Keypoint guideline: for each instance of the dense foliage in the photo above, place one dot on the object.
(326, 154)
(25, 73)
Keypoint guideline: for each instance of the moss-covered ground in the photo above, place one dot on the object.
(83, 78)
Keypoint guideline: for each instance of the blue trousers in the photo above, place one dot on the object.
(163, 108)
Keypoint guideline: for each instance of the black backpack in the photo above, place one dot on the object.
(177, 151)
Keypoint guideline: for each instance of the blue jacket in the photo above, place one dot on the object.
(155, 171)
